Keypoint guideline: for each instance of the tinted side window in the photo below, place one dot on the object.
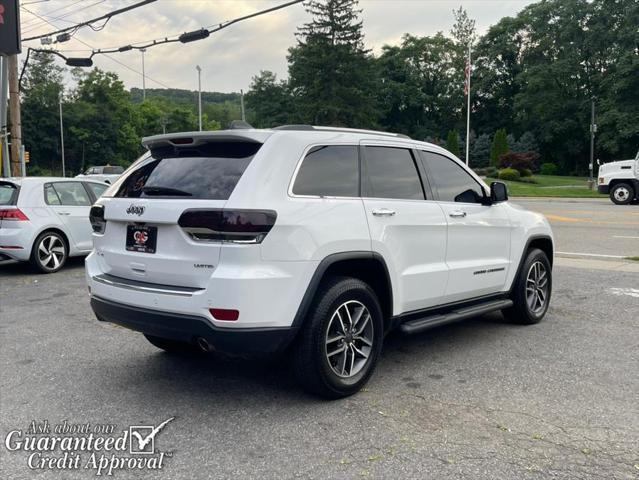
(72, 194)
(391, 173)
(452, 182)
(329, 171)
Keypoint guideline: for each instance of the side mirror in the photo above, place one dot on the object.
(498, 192)
(598, 163)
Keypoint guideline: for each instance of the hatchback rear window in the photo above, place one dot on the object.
(8, 193)
(205, 172)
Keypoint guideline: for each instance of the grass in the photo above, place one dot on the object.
(551, 186)
(634, 259)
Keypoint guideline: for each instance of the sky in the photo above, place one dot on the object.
(230, 58)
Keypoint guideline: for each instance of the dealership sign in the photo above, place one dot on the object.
(9, 27)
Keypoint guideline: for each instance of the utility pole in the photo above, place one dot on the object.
(468, 72)
(143, 50)
(199, 94)
(4, 134)
(62, 138)
(14, 106)
(164, 122)
(242, 105)
(593, 130)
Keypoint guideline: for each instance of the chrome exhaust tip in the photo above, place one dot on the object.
(204, 345)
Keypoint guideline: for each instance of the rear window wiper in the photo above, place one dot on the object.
(166, 191)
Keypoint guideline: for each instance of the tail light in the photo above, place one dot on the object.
(13, 214)
(96, 217)
(233, 226)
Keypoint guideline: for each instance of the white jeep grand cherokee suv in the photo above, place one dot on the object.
(314, 238)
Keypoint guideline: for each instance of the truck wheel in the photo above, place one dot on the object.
(532, 290)
(338, 347)
(172, 346)
(622, 194)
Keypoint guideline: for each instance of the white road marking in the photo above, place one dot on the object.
(631, 292)
(590, 255)
(623, 236)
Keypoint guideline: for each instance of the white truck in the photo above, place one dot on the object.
(620, 180)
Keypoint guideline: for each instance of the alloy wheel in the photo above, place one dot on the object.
(349, 339)
(537, 287)
(51, 252)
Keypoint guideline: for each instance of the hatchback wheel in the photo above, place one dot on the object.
(337, 349)
(49, 253)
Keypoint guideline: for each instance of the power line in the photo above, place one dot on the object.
(61, 18)
(185, 37)
(106, 17)
(91, 47)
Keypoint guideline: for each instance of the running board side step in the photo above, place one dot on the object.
(424, 323)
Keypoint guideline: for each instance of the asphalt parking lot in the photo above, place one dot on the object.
(478, 399)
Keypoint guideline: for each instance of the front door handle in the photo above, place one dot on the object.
(384, 212)
(64, 213)
(457, 214)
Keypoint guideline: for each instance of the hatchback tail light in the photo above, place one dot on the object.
(233, 226)
(96, 217)
(13, 214)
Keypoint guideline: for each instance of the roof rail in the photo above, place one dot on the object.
(302, 127)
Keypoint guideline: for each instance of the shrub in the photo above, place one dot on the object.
(528, 180)
(498, 147)
(491, 172)
(526, 172)
(509, 174)
(519, 161)
(548, 169)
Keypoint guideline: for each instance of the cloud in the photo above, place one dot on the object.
(231, 57)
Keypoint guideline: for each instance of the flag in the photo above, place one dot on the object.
(467, 72)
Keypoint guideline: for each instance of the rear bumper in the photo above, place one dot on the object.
(189, 328)
(605, 189)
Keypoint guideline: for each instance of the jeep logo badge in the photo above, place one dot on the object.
(135, 210)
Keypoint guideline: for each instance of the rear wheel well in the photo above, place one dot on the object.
(543, 244)
(55, 230)
(371, 271)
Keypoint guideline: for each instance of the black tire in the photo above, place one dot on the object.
(525, 291)
(49, 252)
(622, 194)
(173, 346)
(313, 369)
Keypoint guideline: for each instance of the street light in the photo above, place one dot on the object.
(199, 94)
(143, 50)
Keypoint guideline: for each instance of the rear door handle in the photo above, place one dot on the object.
(457, 214)
(64, 213)
(384, 212)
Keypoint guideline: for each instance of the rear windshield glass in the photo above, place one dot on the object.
(112, 170)
(208, 172)
(8, 193)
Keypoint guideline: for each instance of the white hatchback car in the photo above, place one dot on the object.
(45, 220)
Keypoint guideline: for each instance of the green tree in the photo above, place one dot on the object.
(499, 146)
(41, 90)
(452, 142)
(330, 71)
(415, 87)
(268, 101)
(480, 151)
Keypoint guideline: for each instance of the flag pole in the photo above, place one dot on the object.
(469, 71)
